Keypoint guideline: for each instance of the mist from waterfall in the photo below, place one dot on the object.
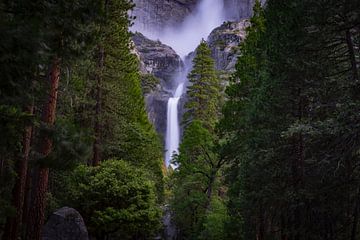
(186, 36)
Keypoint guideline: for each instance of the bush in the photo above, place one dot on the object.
(116, 199)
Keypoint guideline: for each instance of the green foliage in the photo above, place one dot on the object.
(126, 130)
(116, 199)
(34, 33)
(198, 163)
(204, 91)
(215, 220)
(285, 139)
(149, 83)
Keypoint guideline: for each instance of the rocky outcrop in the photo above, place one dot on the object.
(157, 58)
(155, 15)
(224, 43)
(65, 224)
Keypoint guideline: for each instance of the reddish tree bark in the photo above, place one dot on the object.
(37, 210)
(97, 126)
(13, 224)
(27, 199)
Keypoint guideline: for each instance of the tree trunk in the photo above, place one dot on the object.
(37, 211)
(97, 126)
(350, 45)
(27, 200)
(14, 223)
(260, 235)
(356, 217)
(210, 189)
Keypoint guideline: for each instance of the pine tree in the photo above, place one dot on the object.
(282, 124)
(199, 165)
(204, 90)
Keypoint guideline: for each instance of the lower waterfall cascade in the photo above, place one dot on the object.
(173, 126)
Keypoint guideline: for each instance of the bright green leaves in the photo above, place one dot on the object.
(116, 198)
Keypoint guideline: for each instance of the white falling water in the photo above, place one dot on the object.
(184, 39)
(173, 126)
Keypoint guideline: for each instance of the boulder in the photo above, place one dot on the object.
(65, 224)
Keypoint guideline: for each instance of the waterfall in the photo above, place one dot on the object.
(184, 39)
(173, 126)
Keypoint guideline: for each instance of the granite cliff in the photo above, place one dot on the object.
(155, 15)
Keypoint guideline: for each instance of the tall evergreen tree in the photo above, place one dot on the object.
(282, 123)
(196, 177)
(204, 90)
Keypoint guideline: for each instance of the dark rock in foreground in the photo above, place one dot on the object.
(65, 224)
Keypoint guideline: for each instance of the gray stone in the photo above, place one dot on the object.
(236, 10)
(65, 224)
(224, 43)
(152, 16)
(155, 15)
(157, 58)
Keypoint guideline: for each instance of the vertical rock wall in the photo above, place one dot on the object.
(154, 15)
(238, 9)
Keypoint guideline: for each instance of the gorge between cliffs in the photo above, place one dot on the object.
(165, 43)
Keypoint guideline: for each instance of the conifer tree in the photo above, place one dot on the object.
(204, 90)
(282, 124)
(196, 177)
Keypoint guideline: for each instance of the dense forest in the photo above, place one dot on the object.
(268, 152)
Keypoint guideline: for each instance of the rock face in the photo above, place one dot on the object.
(152, 16)
(65, 224)
(224, 43)
(236, 10)
(157, 58)
(156, 14)
(161, 61)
